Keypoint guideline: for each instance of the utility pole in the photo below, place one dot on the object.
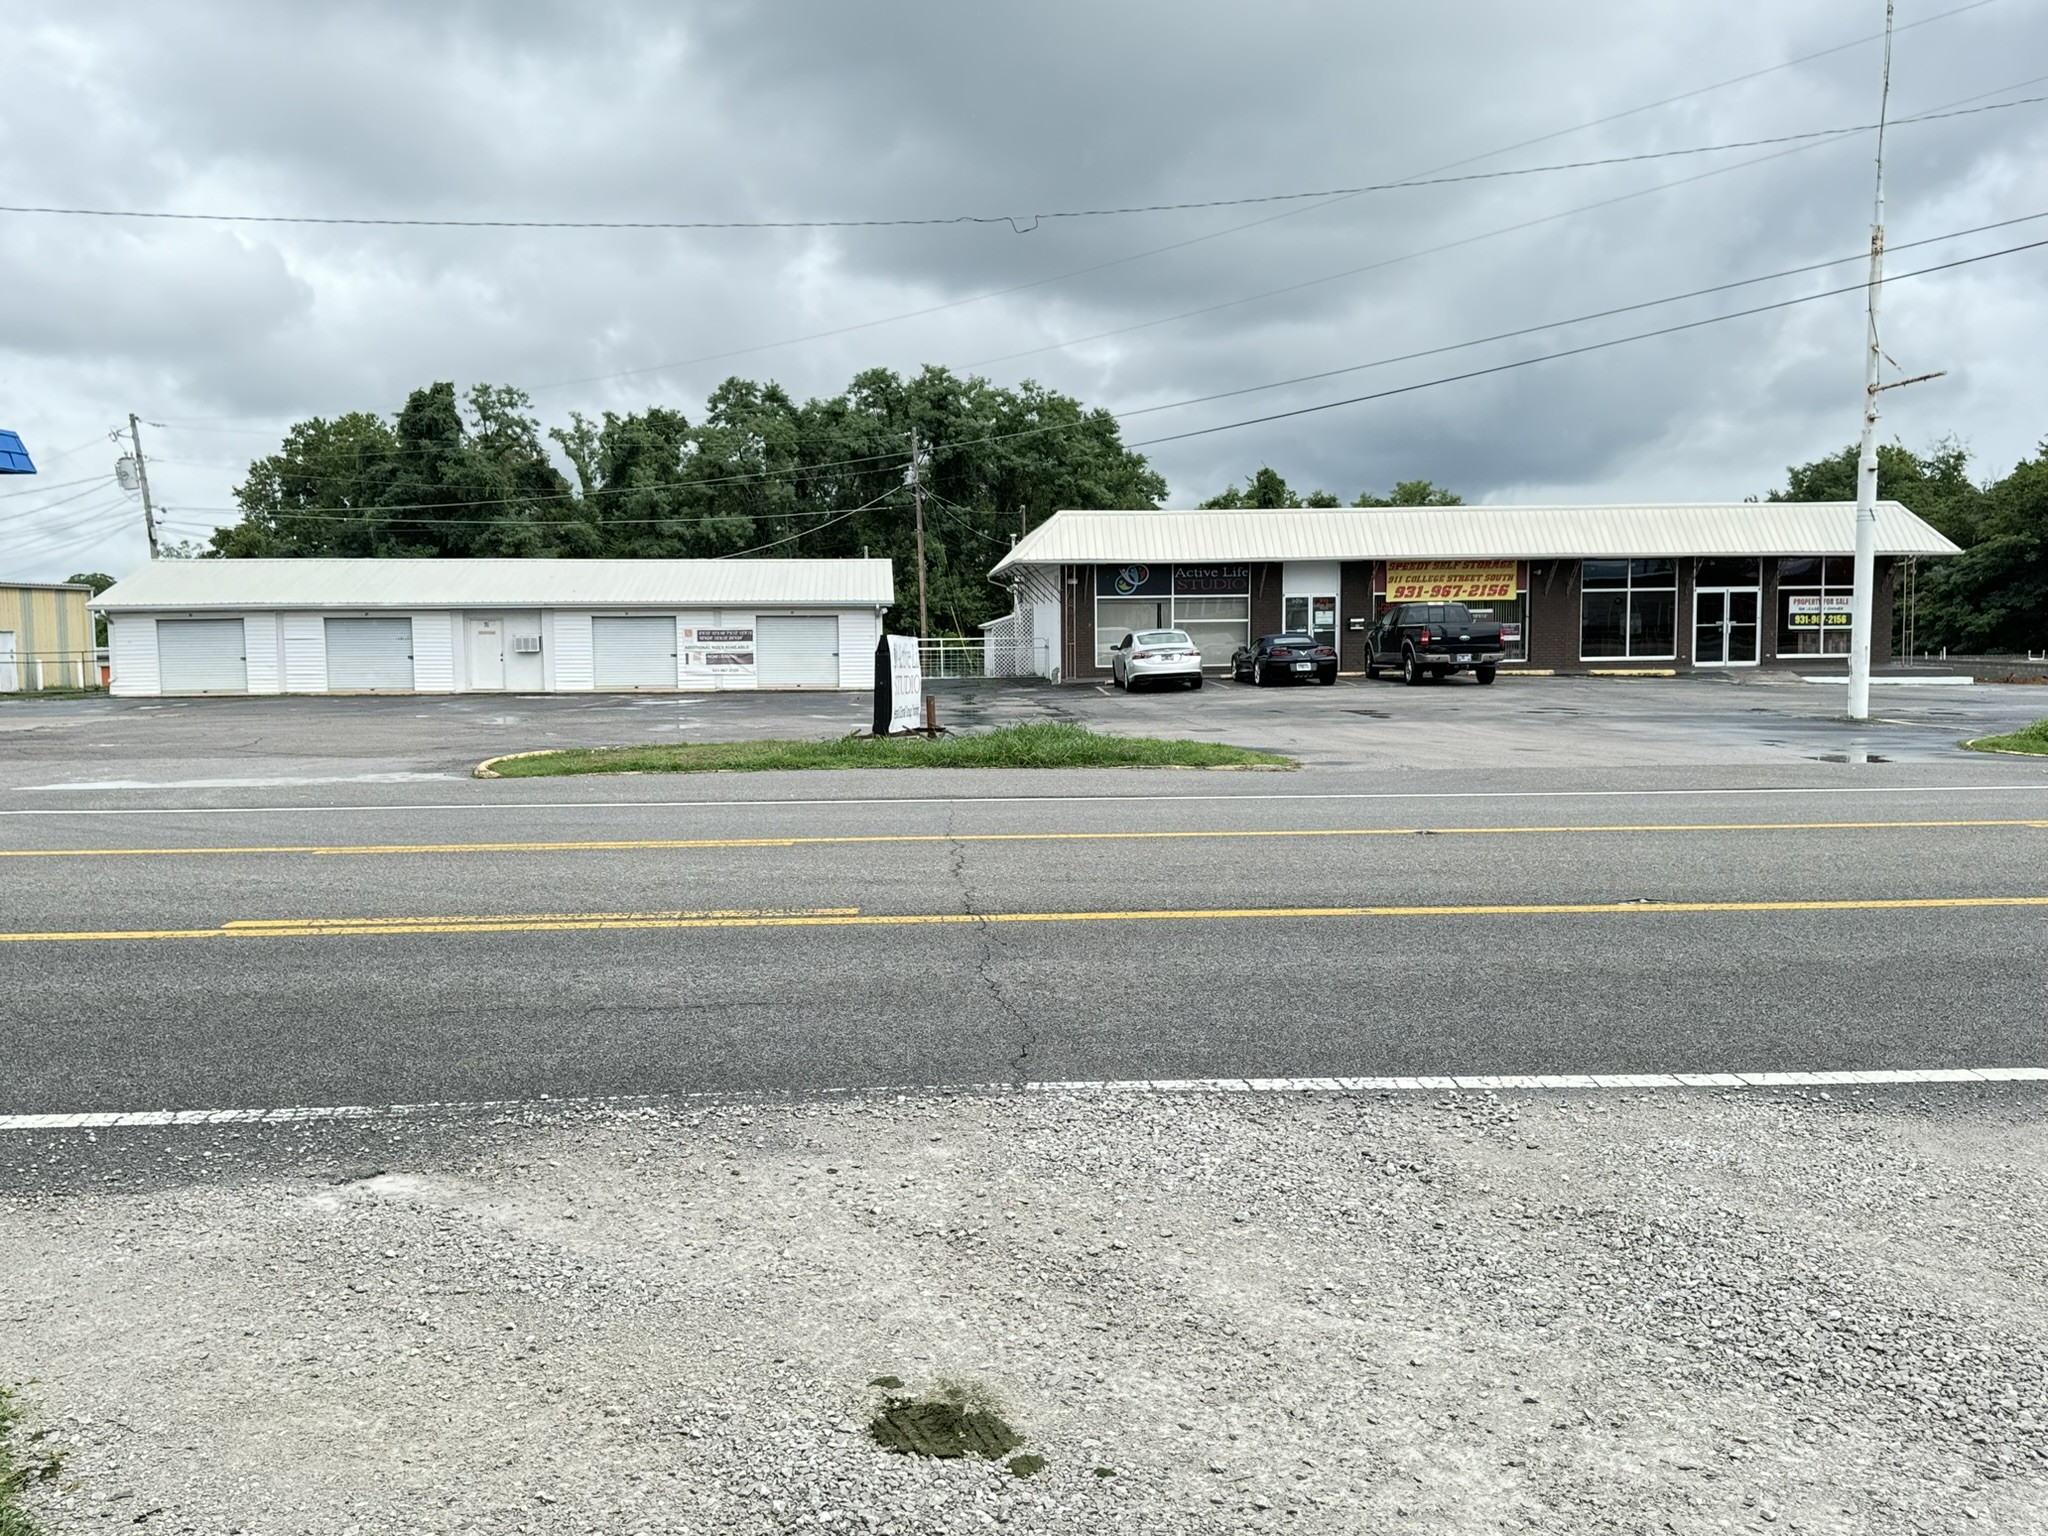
(924, 622)
(1861, 602)
(142, 479)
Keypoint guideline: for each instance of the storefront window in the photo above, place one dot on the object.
(1212, 603)
(1628, 608)
(1814, 596)
(1507, 613)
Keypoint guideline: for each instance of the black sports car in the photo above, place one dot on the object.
(1292, 658)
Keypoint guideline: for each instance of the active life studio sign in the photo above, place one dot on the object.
(1450, 581)
(899, 686)
(1172, 580)
(1814, 611)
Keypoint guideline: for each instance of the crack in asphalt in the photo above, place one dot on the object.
(984, 969)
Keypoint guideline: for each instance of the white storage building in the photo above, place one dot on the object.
(480, 626)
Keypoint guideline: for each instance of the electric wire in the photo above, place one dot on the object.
(38, 490)
(1019, 223)
(802, 532)
(1429, 250)
(99, 482)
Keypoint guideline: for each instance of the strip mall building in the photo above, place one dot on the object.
(1576, 589)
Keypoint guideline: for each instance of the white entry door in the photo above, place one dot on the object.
(797, 652)
(202, 656)
(369, 654)
(633, 652)
(10, 677)
(485, 645)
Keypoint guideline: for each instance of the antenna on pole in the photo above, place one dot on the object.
(1861, 601)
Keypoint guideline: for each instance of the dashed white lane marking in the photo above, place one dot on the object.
(110, 1119)
(1260, 796)
(84, 786)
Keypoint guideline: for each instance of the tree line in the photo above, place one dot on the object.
(759, 473)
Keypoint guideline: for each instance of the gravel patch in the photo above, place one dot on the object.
(1321, 1313)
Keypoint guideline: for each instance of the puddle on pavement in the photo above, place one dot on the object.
(1851, 757)
(954, 1420)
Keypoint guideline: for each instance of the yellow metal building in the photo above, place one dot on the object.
(46, 637)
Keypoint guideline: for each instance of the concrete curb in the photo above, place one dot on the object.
(1971, 746)
(486, 768)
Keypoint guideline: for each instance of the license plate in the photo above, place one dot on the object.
(1304, 666)
(1464, 655)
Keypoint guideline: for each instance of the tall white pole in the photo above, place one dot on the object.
(1861, 602)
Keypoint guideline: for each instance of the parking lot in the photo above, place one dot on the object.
(106, 744)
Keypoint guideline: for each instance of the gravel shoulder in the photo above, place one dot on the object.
(1319, 1313)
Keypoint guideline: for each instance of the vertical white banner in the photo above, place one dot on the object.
(906, 685)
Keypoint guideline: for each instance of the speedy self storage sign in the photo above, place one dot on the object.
(1450, 581)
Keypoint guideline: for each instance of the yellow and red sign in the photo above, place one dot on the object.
(1450, 581)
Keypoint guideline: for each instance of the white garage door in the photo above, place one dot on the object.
(797, 652)
(201, 656)
(369, 653)
(633, 653)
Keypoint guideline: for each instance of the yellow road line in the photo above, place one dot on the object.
(642, 845)
(850, 917)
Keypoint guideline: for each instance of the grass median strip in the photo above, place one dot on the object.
(2033, 741)
(1039, 744)
(853, 917)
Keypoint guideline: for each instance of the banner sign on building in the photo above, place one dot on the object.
(1812, 610)
(715, 655)
(1450, 581)
(899, 686)
(1211, 580)
(1134, 581)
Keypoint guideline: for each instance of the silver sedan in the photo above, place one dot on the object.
(1155, 656)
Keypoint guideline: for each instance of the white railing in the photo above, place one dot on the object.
(991, 656)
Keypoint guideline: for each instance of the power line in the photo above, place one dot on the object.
(1087, 421)
(98, 483)
(41, 490)
(1597, 346)
(1232, 229)
(1428, 250)
(1019, 223)
(801, 532)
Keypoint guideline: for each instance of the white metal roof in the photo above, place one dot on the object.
(186, 584)
(1470, 533)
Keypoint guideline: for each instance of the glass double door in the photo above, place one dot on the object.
(1312, 615)
(1724, 625)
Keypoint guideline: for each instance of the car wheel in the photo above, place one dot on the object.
(1372, 669)
(1258, 674)
(1482, 675)
(1327, 679)
(1411, 674)
(1195, 681)
(1438, 674)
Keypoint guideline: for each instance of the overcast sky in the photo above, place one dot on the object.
(825, 109)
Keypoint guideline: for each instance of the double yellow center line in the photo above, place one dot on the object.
(853, 917)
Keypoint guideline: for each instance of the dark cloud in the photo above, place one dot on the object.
(533, 109)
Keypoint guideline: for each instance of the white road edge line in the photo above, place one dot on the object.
(523, 807)
(1517, 1082)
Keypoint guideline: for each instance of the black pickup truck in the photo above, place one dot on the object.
(1433, 640)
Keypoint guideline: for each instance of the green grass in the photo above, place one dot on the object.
(21, 1468)
(1038, 745)
(2033, 739)
(19, 695)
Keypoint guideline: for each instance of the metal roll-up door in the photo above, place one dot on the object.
(633, 652)
(797, 652)
(202, 656)
(369, 653)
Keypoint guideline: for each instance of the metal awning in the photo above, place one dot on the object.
(14, 459)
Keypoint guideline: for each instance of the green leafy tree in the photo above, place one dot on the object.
(1412, 493)
(757, 473)
(1994, 596)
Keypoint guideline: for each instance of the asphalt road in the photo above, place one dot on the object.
(259, 946)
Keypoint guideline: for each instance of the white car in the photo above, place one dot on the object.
(1155, 656)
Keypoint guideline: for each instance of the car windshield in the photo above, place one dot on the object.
(1160, 637)
(1291, 639)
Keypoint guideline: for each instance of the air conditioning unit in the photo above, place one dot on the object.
(526, 645)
